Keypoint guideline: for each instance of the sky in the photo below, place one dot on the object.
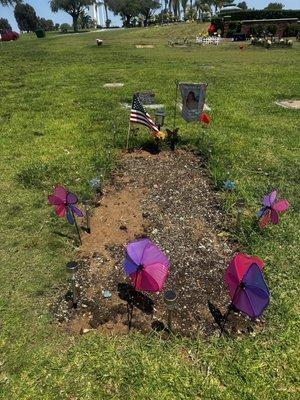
(42, 9)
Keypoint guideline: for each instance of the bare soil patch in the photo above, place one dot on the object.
(169, 198)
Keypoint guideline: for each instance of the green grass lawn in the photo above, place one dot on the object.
(56, 125)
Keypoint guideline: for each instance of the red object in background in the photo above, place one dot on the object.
(212, 28)
(204, 118)
(7, 36)
(242, 47)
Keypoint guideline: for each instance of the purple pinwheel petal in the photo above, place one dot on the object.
(261, 212)
(273, 196)
(153, 255)
(135, 250)
(129, 265)
(70, 217)
(269, 199)
(76, 210)
(266, 201)
(71, 198)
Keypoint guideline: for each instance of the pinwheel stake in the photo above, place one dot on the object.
(87, 211)
(170, 299)
(240, 205)
(72, 268)
(77, 229)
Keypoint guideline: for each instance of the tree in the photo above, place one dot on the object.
(9, 2)
(105, 2)
(146, 9)
(46, 24)
(26, 17)
(201, 7)
(4, 25)
(64, 28)
(71, 7)
(85, 21)
(184, 5)
(274, 6)
(175, 4)
(126, 8)
(220, 3)
(242, 5)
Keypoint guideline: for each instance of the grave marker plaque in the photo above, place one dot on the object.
(146, 97)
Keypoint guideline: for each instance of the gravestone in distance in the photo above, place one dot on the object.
(113, 85)
(146, 97)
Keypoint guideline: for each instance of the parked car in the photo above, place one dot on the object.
(7, 36)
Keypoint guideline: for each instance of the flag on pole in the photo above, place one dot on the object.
(138, 115)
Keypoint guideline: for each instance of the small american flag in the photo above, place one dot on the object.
(138, 115)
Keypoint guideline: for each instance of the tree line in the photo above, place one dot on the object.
(128, 10)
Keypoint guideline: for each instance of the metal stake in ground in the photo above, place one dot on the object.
(130, 305)
(175, 104)
(87, 211)
(170, 299)
(72, 268)
(76, 226)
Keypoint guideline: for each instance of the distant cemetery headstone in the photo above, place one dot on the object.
(146, 97)
(113, 85)
(144, 46)
(294, 104)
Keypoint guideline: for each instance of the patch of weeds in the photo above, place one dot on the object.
(39, 175)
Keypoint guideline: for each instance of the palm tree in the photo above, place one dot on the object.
(219, 3)
(201, 7)
(106, 11)
(176, 7)
(184, 4)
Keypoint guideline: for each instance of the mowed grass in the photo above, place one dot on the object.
(56, 125)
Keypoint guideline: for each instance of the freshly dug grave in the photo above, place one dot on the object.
(169, 198)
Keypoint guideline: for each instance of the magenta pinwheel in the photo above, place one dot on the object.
(64, 203)
(271, 209)
(146, 265)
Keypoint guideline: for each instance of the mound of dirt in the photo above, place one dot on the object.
(169, 198)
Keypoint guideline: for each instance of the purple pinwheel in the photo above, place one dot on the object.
(248, 290)
(64, 203)
(146, 265)
(245, 281)
(271, 209)
(251, 294)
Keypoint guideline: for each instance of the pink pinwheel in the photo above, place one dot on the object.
(271, 208)
(63, 202)
(146, 265)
